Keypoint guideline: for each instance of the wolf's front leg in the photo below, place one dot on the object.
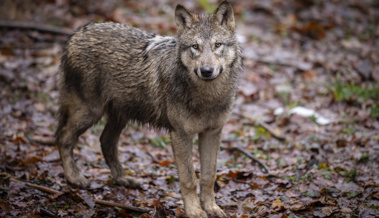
(182, 148)
(209, 143)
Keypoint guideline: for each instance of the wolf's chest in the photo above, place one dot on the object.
(193, 123)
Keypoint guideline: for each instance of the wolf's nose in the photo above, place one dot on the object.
(206, 71)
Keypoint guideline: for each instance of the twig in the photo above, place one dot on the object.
(42, 140)
(112, 204)
(47, 212)
(41, 188)
(243, 182)
(294, 65)
(155, 160)
(34, 26)
(154, 212)
(275, 63)
(243, 151)
(264, 125)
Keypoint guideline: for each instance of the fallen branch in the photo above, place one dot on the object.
(41, 188)
(299, 66)
(243, 151)
(35, 26)
(272, 131)
(36, 139)
(47, 212)
(275, 63)
(112, 204)
(155, 160)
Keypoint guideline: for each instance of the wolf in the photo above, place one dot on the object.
(185, 84)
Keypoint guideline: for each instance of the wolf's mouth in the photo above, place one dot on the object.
(208, 79)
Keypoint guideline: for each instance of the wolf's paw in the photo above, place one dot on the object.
(198, 213)
(215, 211)
(79, 181)
(127, 181)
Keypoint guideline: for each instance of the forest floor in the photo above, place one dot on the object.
(307, 107)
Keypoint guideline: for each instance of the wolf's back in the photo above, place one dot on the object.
(115, 65)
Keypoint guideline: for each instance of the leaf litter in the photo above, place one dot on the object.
(318, 56)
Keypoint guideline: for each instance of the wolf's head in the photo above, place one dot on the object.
(207, 43)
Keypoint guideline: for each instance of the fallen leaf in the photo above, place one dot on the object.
(39, 107)
(277, 205)
(364, 68)
(327, 211)
(346, 210)
(296, 207)
(309, 75)
(165, 163)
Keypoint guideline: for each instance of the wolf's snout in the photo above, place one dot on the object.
(206, 71)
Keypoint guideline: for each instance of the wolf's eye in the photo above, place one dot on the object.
(218, 44)
(195, 46)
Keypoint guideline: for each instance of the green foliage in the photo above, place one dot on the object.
(170, 179)
(234, 165)
(364, 157)
(99, 127)
(208, 7)
(313, 118)
(350, 92)
(375, 110)
(306, 179)
(349, 130)
(260, 154)
(286, 97)
(310, 193)
(327, 175)
(353, 194)
(160, 142)
(283, 198)
(282, 162)
(260, 134)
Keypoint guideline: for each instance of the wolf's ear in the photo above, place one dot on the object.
(224, 15)
(183, 19)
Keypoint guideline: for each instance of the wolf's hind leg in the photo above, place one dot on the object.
(73, 121)
(109, 139)
(209, 143)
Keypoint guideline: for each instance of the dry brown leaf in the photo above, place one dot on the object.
(296, 207)
(277, 205)
(346, 210)
(309, 75)
(165, 163)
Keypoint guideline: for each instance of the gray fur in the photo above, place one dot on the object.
(185, 84)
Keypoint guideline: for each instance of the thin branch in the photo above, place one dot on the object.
(271, 130)
(243, 151)
(42, 140)
(35, 26)
(47, 212)
(275, 63)
(154, 159)
(112, 204)
(41, 188)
